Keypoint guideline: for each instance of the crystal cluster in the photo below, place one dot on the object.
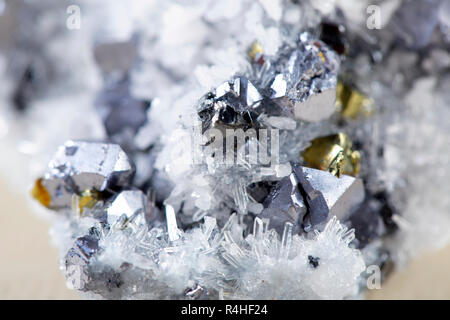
(82, 168)
(150, 200)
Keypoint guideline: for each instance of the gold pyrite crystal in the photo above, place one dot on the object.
(351, 103)
(333, 154)
(40, 193)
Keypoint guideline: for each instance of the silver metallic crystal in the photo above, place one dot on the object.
(128, 202)
(285, 204)
(230, 104)
(79, 166)
(241, 89)
(77, 260)
(308, 198)
(304, 79)
(342, 194)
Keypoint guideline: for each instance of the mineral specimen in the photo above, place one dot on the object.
(79, 166)
(231, 104)
(333, 154)
(128, 203)
(342, 195)
(351, 102)
(308, 197)
(77, 260)
(304, 79)
(181, 229)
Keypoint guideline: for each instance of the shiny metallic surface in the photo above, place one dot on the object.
(127, 202)
(79, 166)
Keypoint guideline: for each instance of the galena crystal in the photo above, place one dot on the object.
(139, 219)
(77, 259)
(78, 166)
(128, 203)
(307, 198)
(304, 79)
(231, 104)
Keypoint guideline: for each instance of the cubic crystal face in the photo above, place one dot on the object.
(342, 195)
(309, 109)
(304, 78)
(307, 198)
(78, 166)
(128, 203)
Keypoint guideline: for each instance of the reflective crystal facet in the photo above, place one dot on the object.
(333, 154)
(307, 198)
(128, 203)
(79, 166)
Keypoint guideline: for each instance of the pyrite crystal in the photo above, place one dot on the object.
(333, 154)
(138, 218)
(256, 53)
(40, 193)
(88, 199)
(351, 103)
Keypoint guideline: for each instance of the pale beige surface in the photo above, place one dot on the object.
(427, 277)
(29, 264)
